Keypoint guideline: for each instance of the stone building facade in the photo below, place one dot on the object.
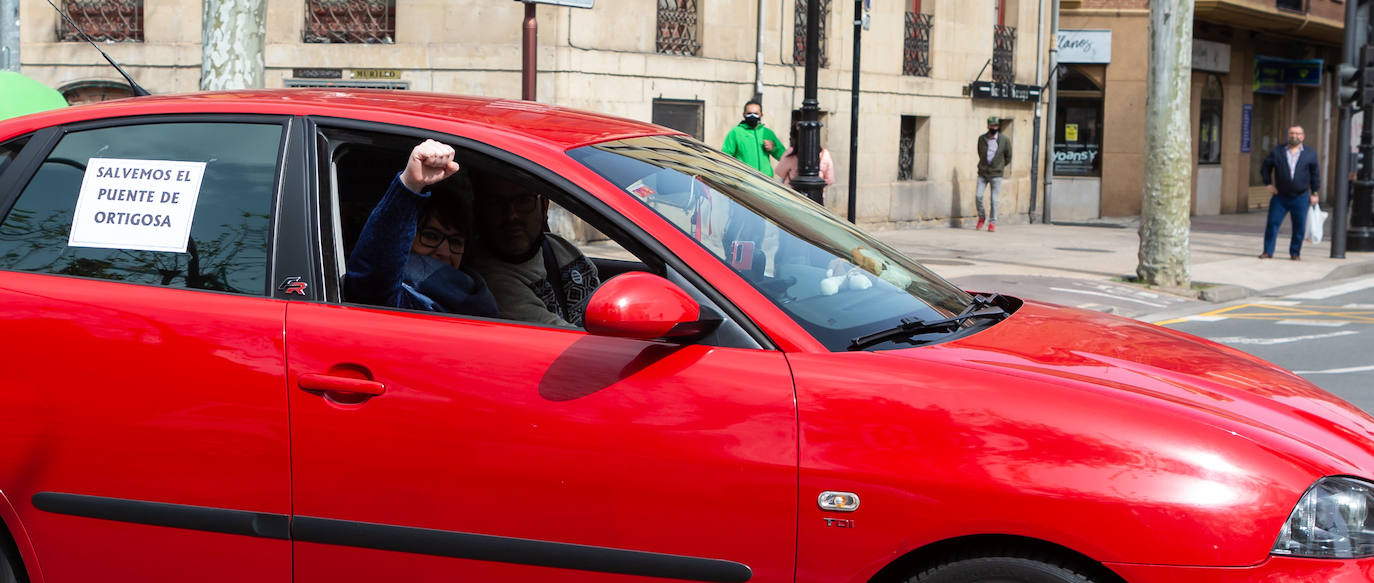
(690, 64)
(1259, 66)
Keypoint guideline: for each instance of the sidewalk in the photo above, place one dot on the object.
(1086, 265)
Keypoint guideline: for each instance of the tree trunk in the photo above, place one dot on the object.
(232, 44)
(1168, 147)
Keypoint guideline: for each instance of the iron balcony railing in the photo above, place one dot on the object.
(1004, 54)
(104, 20)
(799, 32)
(678, 27)
(350, 21)
(916, 49)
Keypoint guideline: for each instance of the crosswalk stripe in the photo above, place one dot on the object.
(1333, 291)
(1337, 370)
(1272, 341)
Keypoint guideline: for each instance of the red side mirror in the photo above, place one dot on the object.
(642, 305)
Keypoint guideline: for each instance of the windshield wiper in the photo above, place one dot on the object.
(981, 307)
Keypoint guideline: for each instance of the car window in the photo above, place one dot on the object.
(9, 150)
(830, 277)
(167, 204)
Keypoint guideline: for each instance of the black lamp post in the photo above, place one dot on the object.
(808, 180)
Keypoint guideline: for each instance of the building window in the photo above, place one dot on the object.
(93, 91)
(104, 20)
(913, 149)
(1004, 54)
(678, 27)
(350, 21)
(1209, 123)
(799, 32)
(1292, 5)
(680, 114)
(916, 48)
(1078, 117)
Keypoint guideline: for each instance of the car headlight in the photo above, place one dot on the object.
(1331, 521)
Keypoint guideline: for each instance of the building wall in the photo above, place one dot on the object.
(604, 60)
(1125, 94)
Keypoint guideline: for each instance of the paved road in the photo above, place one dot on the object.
(1324, 334)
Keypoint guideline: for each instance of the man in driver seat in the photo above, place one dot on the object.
(535, 275)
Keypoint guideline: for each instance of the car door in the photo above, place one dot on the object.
(143, 424)
(495, 450)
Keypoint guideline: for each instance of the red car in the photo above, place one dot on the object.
(759, 391)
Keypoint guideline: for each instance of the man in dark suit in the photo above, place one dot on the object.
(1295, 180)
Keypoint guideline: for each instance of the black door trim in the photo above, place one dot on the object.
(384, 537)
(204, 518)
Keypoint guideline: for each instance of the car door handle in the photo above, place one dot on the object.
(336, 384)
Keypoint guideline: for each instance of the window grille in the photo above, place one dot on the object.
(104, 20)
(916, 50)
(350, 21)
(906, 149)
(799, 33)
(679, 23)
(1004, 54)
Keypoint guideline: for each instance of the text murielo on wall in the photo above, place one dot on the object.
(136, 204)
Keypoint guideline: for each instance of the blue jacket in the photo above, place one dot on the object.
(382, 271)
(1308, 176)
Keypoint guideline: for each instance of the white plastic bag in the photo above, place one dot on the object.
(1316, 223)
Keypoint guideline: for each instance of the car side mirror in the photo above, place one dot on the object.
(645, 306)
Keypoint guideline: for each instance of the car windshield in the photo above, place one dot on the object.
(833, 279)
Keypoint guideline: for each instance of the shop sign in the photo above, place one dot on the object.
(1076, 159)
(1273, 75)
(1212, 57)
(1085, 46)
(376, 74)
(1247, 117)
(1004, 91)
(317, 73)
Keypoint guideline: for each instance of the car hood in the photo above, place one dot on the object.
(1213, 383)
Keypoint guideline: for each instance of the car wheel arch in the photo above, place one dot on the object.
(21, 561)
(918, 560)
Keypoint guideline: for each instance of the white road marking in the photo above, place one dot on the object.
(1272, 341)
(1337, 370)
(1115, 297)
(1322, 323)
(1277, 303)
(1204, 318)
(1331, 292)
(1359, 306)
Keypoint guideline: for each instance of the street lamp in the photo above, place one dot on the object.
(808, 180)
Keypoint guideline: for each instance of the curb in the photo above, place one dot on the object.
(1352, 270)
(1225, 293)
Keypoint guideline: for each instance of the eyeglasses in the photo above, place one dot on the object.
(432, 238)
(520, 203)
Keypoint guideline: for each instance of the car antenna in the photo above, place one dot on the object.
(138, 89)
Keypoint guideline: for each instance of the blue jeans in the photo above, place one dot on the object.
(996, 187)
(1280, 205)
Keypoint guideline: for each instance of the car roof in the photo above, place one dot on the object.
(558, 126)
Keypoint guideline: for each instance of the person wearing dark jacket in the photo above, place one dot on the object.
(1296, 177)
(410, 250)
(994, 155)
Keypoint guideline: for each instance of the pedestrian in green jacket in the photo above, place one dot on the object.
(752, 142)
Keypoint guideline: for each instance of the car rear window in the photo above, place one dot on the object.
(219, 242)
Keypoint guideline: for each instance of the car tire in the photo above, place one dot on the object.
(8, 561)
(1001, 569)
